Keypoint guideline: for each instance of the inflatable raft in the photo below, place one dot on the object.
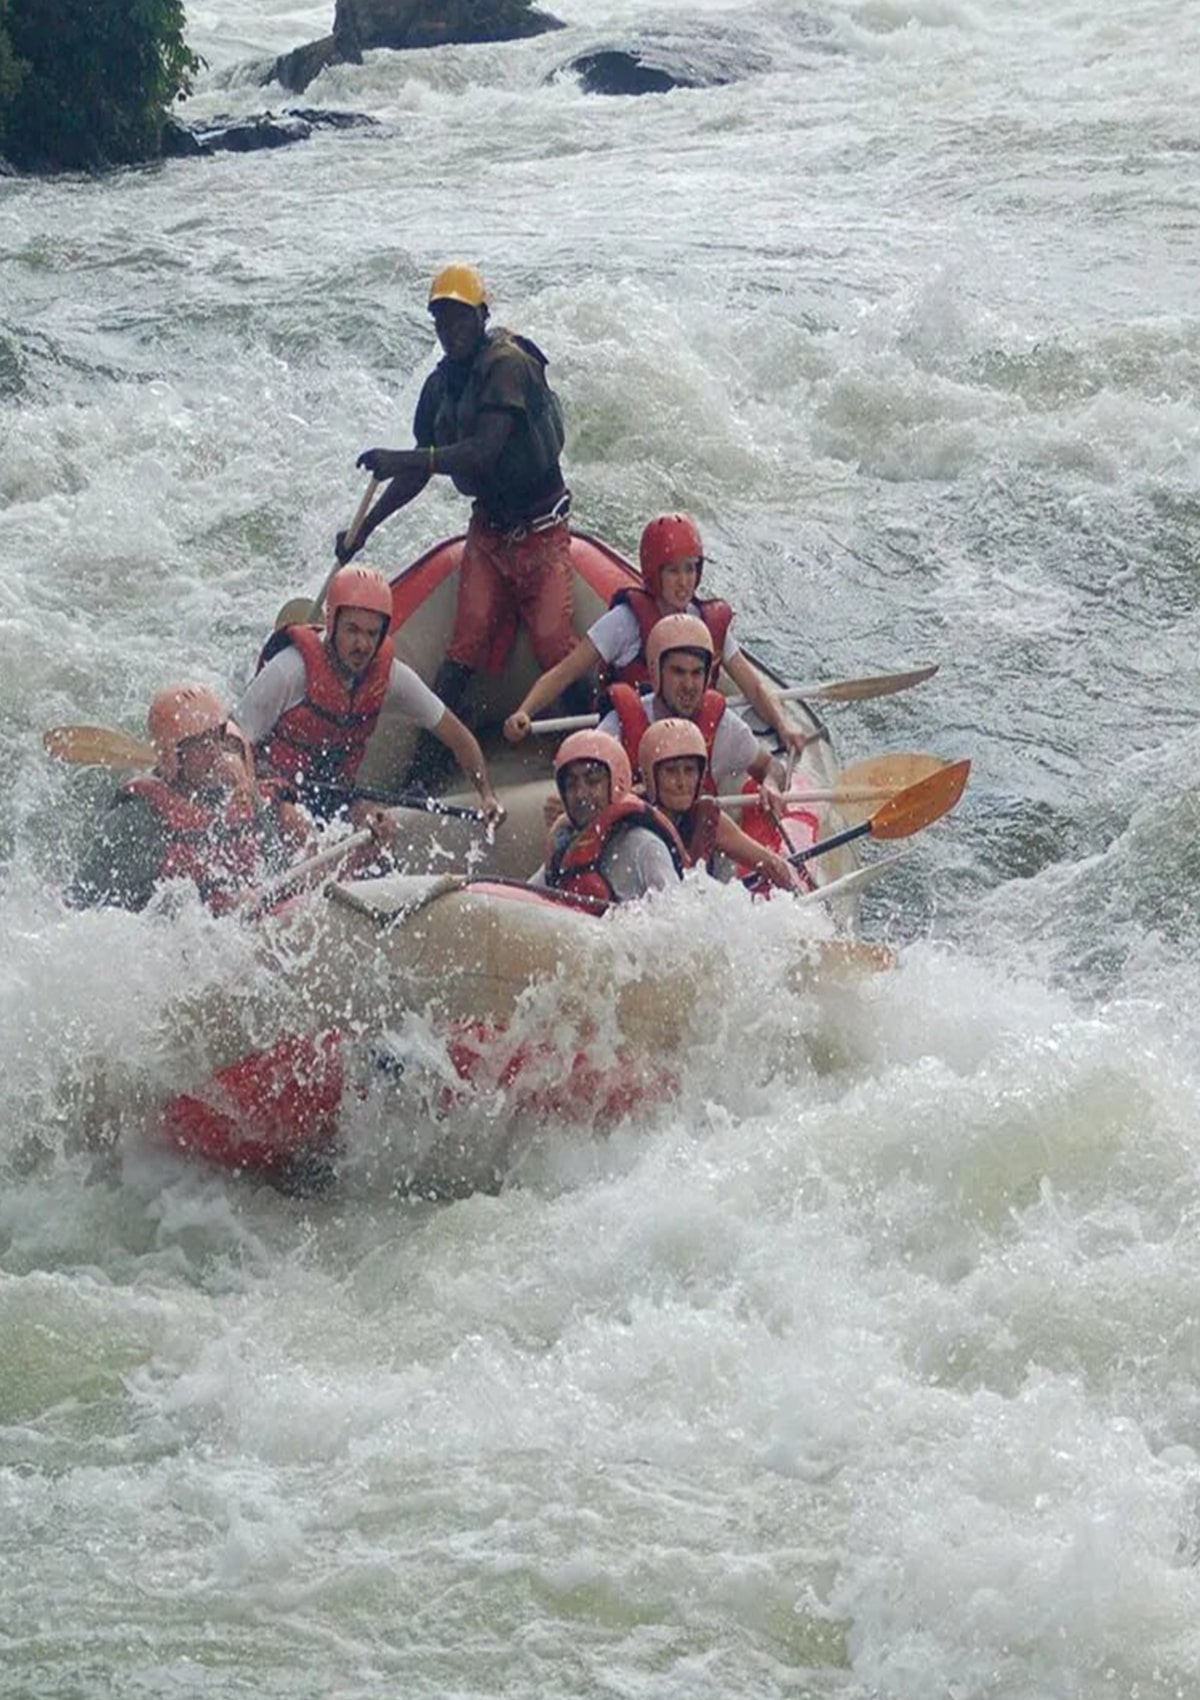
(456, 936)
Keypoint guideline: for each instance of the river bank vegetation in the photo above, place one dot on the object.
(85, 87)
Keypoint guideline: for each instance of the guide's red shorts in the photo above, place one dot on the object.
(504, 578)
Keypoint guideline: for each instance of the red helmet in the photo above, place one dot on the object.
(179, 713)
(667, 740)
(670, 537)
(677, 631)
(357, 587)
(595, 746)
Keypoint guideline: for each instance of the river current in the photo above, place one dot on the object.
(868, 1367)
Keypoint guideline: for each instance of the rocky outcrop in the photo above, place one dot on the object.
(249, 135)
(619, 70)
(303, 65)
(710, 52)
(360, 25)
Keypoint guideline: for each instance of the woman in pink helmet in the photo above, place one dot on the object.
(671, 556)
(672, 760)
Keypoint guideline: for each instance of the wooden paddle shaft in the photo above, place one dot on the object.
(839, 690)
(839, 794)
(352, 531)
(329, 857)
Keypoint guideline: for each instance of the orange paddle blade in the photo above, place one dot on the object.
(97, 746)
(920, 804)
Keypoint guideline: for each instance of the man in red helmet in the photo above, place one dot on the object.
(200, 816)
(671, 556)
(311, 708)
(679, 655)
(488, 420)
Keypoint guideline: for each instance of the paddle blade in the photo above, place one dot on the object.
(300, 611)
(882, 685)
(860, 787)
(920, 804)
(97, 746)
(837, 960)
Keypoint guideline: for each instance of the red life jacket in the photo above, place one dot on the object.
(698, 829)
(325, 736)
(717, 616)
(220, 849)
(631, 711)
(574, 868)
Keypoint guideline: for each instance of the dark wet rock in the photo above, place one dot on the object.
(710, 54)
(360, 25)
(303, 65)
(320, 119)
(232, 135)
(250, 135)
(435, 23)
(623, 71)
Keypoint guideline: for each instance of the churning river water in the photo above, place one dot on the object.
(867, 1368)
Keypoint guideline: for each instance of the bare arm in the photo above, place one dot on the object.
(550, 685)
(733, 842)
(409, 470)
(765, 768)
(754, 687)
(465, 747)
(405, 485)
(771, 780)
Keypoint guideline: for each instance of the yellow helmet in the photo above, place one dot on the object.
(458, 283)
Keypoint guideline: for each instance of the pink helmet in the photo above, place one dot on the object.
(595, 746)
(179, 713)
(357, 587)
(667, 740)
(670, 537)
(677, 631)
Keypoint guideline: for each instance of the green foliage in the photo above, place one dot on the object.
(11, 73)
(90, 82)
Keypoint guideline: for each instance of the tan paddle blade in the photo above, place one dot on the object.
(858, 690)
(877, 779)
(894, 770)
(858, 789)
(97, 746)
(840, 690)
(823, 960)
(920, 804)
(300, 611)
